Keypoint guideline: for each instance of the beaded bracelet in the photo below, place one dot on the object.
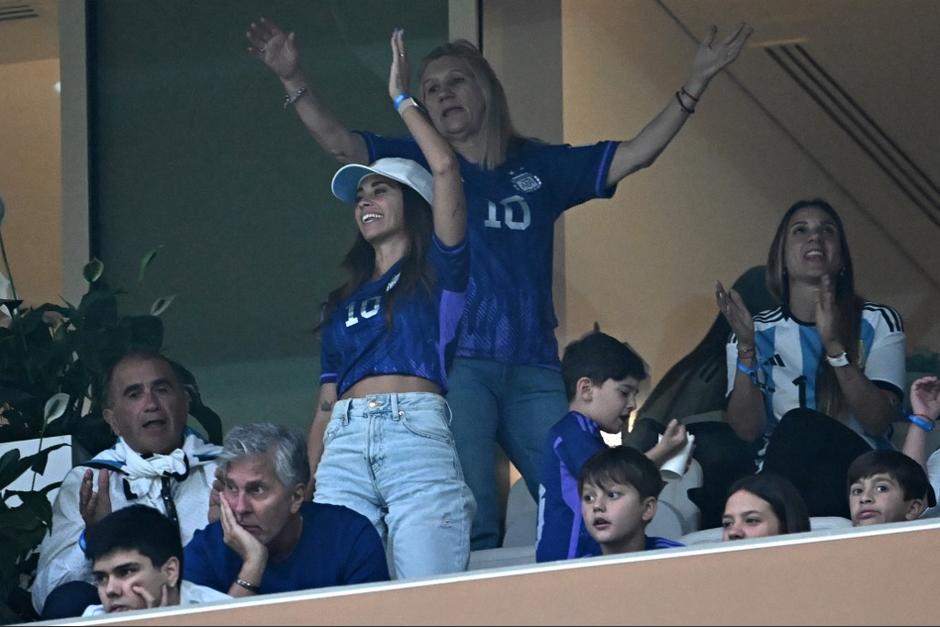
(290, 99)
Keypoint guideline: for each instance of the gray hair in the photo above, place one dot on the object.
(288, 450)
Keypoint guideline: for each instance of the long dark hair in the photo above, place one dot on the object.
(359, 262)
(782, 496)
(829, 395)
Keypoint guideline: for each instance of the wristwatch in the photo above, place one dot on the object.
(839, 361)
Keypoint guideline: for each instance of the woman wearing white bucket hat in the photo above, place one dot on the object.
(387, 450)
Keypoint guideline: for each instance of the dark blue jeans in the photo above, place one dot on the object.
(510, 405)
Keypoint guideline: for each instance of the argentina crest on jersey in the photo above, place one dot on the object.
(525, 182)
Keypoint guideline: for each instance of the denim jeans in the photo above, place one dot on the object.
(508, 404)
(391, 457)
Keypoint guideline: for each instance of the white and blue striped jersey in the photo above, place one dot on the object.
(789, 352)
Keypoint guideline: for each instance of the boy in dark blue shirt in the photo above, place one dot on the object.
(619, 489)
(601, 376)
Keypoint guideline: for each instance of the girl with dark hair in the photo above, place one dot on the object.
(763, 505)
(506, 385)
(820, 377)
(383, 424)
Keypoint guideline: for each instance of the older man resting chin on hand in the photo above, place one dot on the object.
(268, 538)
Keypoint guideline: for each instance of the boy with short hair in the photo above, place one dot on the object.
(886, 486)
(136, 556)
(619, 490)
(601, 376)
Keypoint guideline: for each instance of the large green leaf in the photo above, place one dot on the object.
(38, 461)
(98, 307)
(12, 466)
(21, 529)
(37, 502)
(93, 270)
(9, 467)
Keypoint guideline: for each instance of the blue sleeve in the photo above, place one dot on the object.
(579, 173)
(576, 448)
(365, 561)
(380, 147)
(199, 567)
(451, 264)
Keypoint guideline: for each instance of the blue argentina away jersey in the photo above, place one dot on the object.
(511, 213)
(357, 343)
(561, 532)
(789, 352)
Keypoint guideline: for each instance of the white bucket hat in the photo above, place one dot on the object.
(405, 171)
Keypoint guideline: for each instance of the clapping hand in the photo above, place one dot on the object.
(827, 315)
(734, 310)
(94, 505)
(925, 397)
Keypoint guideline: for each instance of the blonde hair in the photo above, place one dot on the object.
(497, 130)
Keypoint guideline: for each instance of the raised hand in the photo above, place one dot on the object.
(277, 49)
(399, 74)
(94, 505)
(925, 397)
(712, 57)
(734, 310)
(827, 316)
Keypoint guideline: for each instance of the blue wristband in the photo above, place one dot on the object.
(750, 372)
(81, 541)
(920, 421)
(399, 99)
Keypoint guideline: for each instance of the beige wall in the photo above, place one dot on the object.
(812, 581)
(644, 264)
(30, 177)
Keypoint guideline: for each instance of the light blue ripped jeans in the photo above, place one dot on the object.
(391, 457)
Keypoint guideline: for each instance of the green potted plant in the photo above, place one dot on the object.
(52, 362)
